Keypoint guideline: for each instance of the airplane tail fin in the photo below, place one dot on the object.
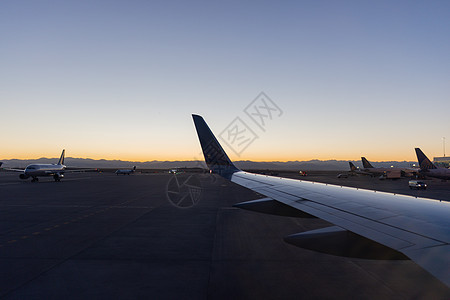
(215, 157)
(134, 168)
(366, 163)
(61, 159)
(424, 162)
(352, 166)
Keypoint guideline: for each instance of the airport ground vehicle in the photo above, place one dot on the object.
(417, 184)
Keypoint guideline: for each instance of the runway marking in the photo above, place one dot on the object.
(76, 179)
(44, 206)
(134, 207)
(36, 233)
(9, 183)
(63, 206)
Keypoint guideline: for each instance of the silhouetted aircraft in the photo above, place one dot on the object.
(427, 168)
(391, 172)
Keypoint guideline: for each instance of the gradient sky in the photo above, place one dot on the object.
(120, 79)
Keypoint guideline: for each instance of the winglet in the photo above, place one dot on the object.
(424, 162)
(215, 157)
(366, 163)
(61, 159)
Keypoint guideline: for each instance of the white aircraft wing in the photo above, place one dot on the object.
(13, 170)
(369, 224)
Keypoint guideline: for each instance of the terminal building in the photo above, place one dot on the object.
(443, 161)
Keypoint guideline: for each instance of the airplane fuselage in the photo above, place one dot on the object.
(440, 173)
(394, 172)
(124, 172)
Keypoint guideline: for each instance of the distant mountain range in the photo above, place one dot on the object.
(338, 165)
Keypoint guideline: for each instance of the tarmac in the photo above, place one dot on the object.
(164, 236)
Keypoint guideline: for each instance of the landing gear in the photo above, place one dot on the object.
(57, 178)
(35, 179)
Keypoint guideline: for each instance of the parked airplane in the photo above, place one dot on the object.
(427, 168)
(55, 170)
(353, 171)
(390, 173)
(369, 224)
(126, 172)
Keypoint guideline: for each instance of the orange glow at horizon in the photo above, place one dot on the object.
(145, 157)
(188, 149)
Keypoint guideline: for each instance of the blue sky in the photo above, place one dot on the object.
(119, 79)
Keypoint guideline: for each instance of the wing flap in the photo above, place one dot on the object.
(390, 236)
(338, 241)
(435, 260)
(274, 207)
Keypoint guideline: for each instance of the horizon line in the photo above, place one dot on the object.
(201, 160)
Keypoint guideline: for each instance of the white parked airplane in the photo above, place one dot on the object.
(368, 224)
(126, 172)
(55, 170)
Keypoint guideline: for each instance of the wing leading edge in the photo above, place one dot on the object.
(418, 228)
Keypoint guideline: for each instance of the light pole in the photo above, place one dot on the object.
(443, 144)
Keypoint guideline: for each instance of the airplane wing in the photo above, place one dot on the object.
(13, 170)
(416, 228)
(73, 170)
